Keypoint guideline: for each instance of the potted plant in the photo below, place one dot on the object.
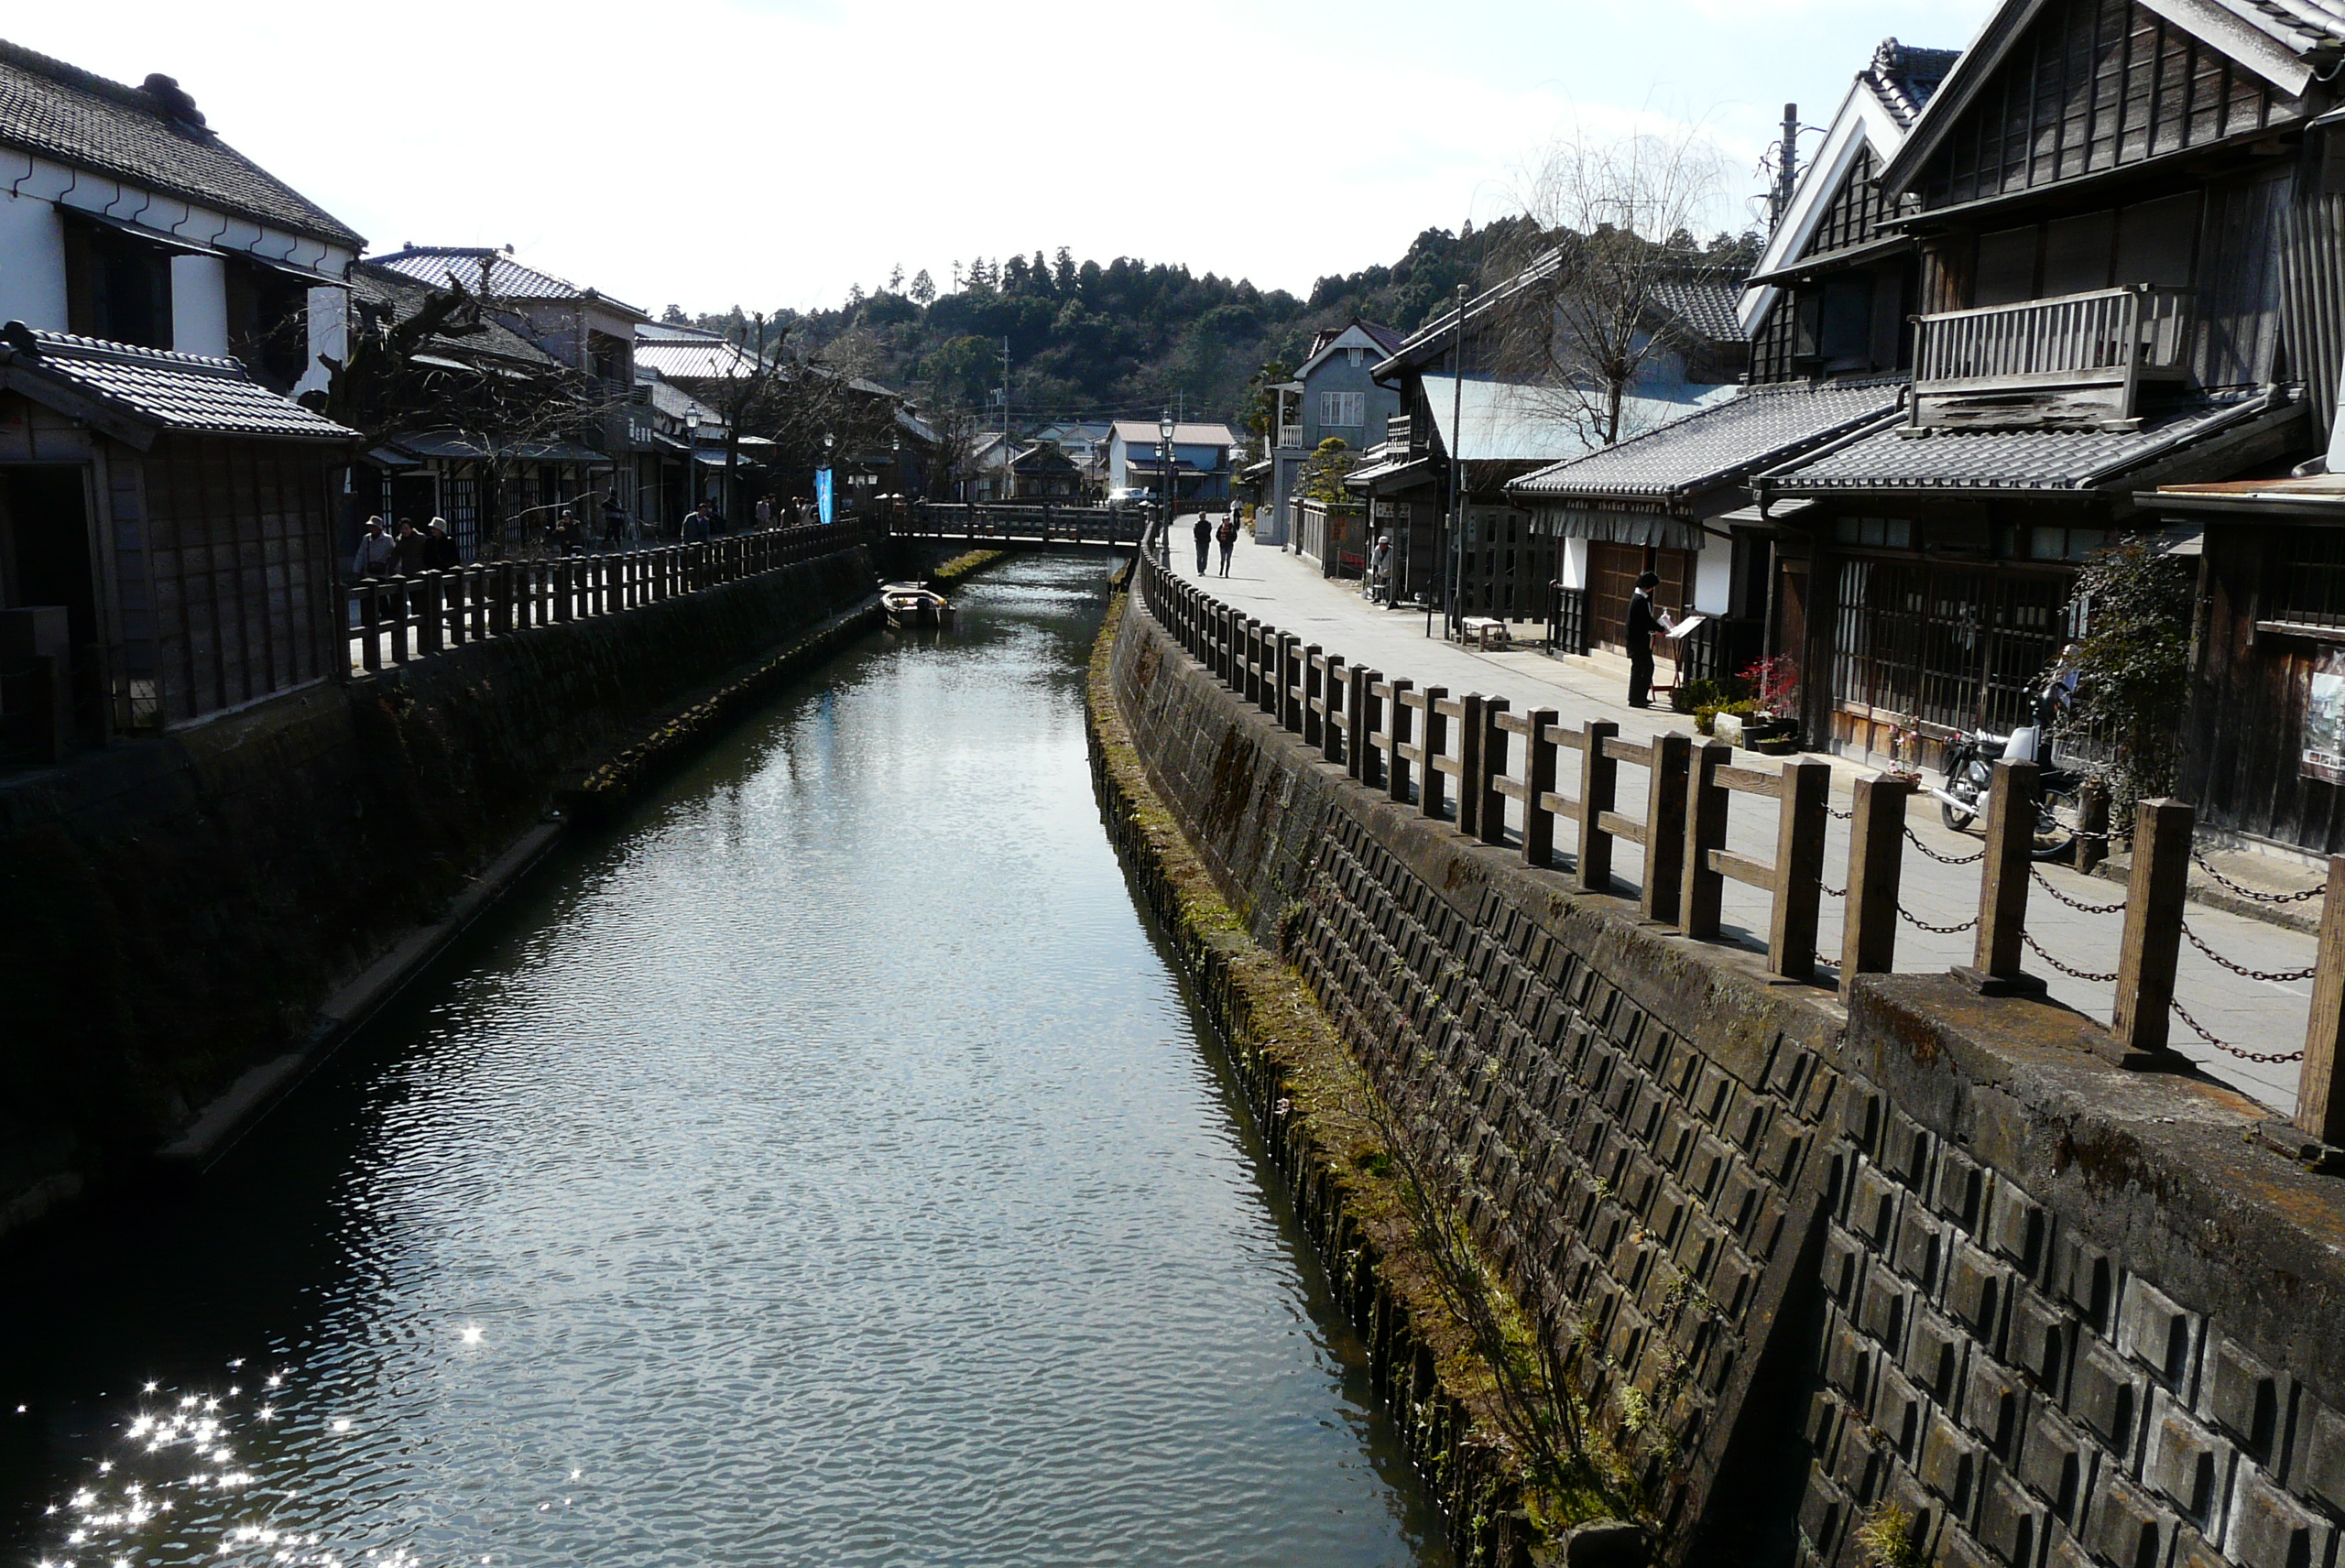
(1772, 727)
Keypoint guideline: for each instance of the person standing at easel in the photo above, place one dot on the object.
(1645, 617)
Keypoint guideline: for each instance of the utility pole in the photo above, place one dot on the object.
(1452, 620)
(1787, 166)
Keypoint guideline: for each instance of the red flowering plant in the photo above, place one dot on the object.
(1774, 685)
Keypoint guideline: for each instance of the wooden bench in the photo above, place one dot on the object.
(1485, 633)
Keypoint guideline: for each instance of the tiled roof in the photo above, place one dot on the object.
(1759, 428)
(460, 265)
(151, 136)
(400, 296)
(1903, 79)
(176, 391)
(2301, 25)
(711, 359)
(1705, 304)
(2069, 461)
(1389, 339)
(1143, 432)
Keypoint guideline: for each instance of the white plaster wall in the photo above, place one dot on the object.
(200, 305)
(32, 262)
(1574, 564)
(1714, 575)
(329, 315)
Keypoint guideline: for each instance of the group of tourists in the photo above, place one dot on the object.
(404, 553)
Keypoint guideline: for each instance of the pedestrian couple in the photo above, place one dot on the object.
(1206, 535)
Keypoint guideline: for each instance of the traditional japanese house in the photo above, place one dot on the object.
(1333, 392)
(2099, 194)
(164, 532)
(1675, 501)
(1501, 424)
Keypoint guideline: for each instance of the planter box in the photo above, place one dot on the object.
(1769, 736)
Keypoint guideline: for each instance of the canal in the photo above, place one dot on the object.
(823, 1166)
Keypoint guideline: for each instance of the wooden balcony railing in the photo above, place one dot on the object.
(2076, 362)
(1290, 435)
(1396, 432)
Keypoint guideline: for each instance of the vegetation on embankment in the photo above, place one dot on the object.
(1329, 1134)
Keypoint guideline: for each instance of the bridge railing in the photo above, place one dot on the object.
(1025, 522)
(392, 621)
(1467, 759)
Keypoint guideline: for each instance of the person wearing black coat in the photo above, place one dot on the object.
(1644, 619)
(1204, 531)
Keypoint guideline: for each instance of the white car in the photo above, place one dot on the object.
(1132, 496)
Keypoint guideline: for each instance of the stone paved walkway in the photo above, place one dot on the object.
(2258, 1015)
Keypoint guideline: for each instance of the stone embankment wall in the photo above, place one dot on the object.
(1923, 1261)
(173, 912)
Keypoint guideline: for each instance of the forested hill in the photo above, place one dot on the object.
(1120, 340)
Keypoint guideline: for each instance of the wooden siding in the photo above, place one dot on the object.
(2094, 85)
(1854, 214)
(1770, 345)
(2241, 752)
(2312, 273)
(239, 535)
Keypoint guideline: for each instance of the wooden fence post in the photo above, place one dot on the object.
(1336, 712)
(1664, 828)
(2003, 883)
(2319, 1110)
(370, 627)
(1876, 867)
(1539, 782)
(1359, 722)
(1804, 811)
(2154, 896)
(1435, 739)
(1599, 781)
(429, 632)
(1490, 815)
(1314, 697)
(1473, 742)
(1398, 723)
(1706, 802)
(1287, 708)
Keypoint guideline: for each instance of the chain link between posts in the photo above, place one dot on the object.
(1945, 859)
(1911, 918)
(2277, 976)
(2270, 1058)
(2045, 883)
(2245, 892)
(2074, 973)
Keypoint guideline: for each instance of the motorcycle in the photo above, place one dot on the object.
(1970, 758)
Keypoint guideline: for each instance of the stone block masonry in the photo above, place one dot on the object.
(174, 912)
(1924, 1260)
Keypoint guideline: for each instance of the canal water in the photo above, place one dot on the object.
(823, 1167)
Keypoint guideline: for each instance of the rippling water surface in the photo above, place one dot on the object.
(821, 1168)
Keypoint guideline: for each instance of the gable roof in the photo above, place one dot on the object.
(1698, 296)
(1881, 107)
(1379, 340)
(2278, 41)
(1760, 427)
(151, 136)
(461, 265)
(150, 390)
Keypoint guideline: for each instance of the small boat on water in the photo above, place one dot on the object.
(910, 604)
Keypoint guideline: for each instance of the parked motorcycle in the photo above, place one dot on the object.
(1970, 758)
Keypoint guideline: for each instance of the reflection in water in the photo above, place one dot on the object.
(822, 1168)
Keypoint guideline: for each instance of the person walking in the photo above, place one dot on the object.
(697, 525)
(413, 551)
(565, 534)
(1645, 618)
(765, 512)
(1227, 535)
(1204, 542)
(614, 522)
(440, 553)
(1379, 571)
(378, 552)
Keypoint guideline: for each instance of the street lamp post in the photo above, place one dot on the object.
(692, 460)
(1165, 431)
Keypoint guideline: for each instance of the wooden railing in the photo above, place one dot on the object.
(396, 620)
(1467, 758)
(2074, 359)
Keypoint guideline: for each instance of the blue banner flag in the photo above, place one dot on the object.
(822, 503)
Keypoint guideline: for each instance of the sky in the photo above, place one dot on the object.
(775, 153)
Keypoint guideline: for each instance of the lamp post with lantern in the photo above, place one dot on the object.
(1165, 431)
